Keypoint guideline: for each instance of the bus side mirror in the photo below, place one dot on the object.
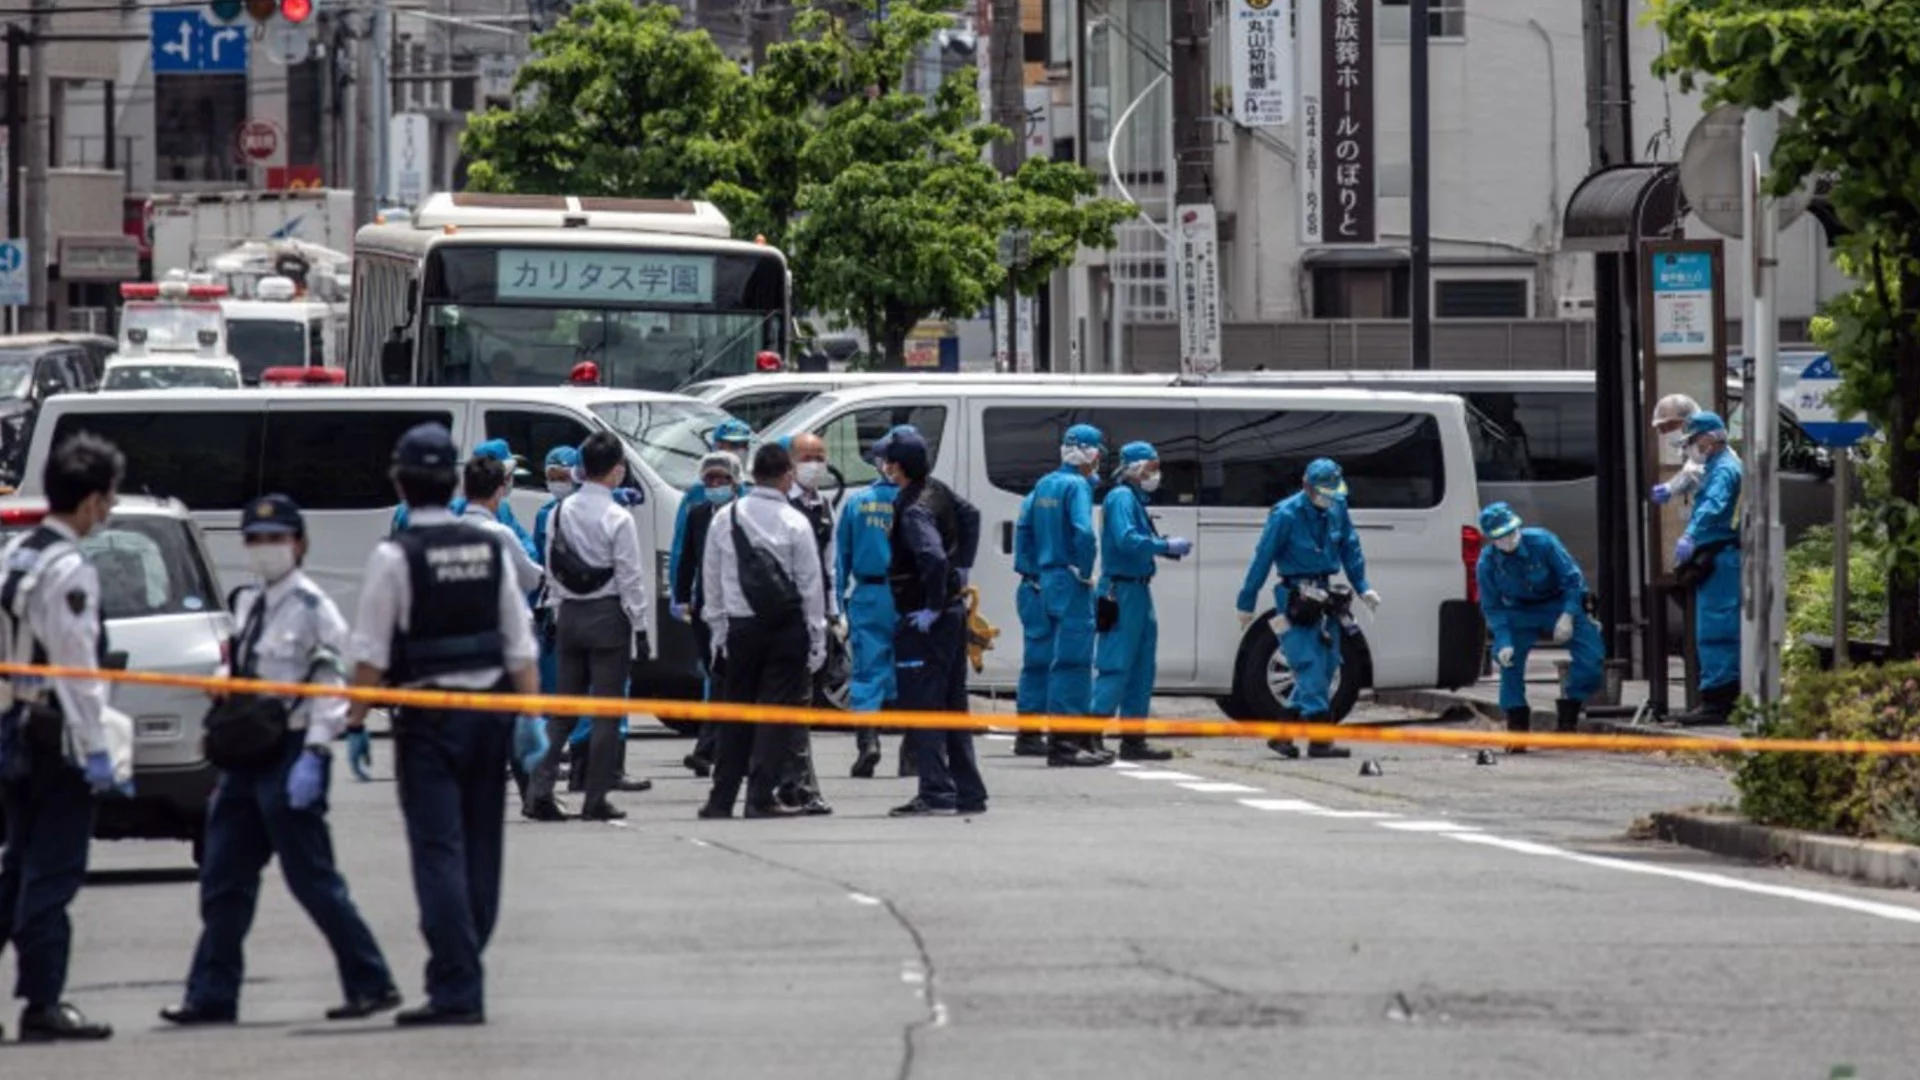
(396, 362)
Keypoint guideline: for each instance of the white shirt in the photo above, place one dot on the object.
(601, 532)
(775, 527)
(386, 596)
(70, 638)
(808, 499)
(526, 573)
(304, 632)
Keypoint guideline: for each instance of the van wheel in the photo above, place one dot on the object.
(1234, 708)
(1262, 682)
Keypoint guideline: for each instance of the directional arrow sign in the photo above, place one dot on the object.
(1817, 417)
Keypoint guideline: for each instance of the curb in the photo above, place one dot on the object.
(1454, 705)
(1871, 862)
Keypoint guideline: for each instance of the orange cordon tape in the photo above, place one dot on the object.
(557, 705)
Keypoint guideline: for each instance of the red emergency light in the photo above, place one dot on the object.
(206, 292)
(139, 290)
(768, 361)
(303, 376)
(1470, 544)
(585, 373)
(22, 515)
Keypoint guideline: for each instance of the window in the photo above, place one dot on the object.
(149, 566)
(338, 460)
(317, 343)
(195, 117)
(217, 469)
(532, 435)
(1479, 298)
(849, 436)
(1023, 444)
(1445, 19)
(1361, 292)
(263, 343)
(1539, 436)
(1256, 457)
(759, 411)
(53, 376)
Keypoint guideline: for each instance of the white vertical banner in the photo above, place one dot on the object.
(1196, 282)
(6, 175)
(409, 156)
(1308, 133)
(1261, 44)
(1023, 333)
(1039, 133)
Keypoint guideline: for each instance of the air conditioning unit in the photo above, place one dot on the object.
(1576, 307)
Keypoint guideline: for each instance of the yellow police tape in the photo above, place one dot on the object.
(557, 705)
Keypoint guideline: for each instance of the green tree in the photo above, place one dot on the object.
(624, 102)
(1849, 71)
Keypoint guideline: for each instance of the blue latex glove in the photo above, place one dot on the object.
(679, 612)
(1179, 546)
(1683, 550)
(100, 772)
(530, 740)
(307, 780)
(923, 619)
(360, 753)
(628, 496)
(1661, 494)
(962, 572)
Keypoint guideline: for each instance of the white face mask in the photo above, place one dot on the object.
(1698, 453)
(719, 494)
(559, 489)
(1509, 543)
(1150, 483)
(271, 561)
(811, 473)
(1079, 456)
(1319, 500)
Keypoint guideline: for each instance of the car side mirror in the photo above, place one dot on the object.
(396, 362)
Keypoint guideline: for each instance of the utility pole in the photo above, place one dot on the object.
(1421, 278)
(39, 134)
(1192, 103)
(1007, 52)
(381, 89)
(360, 158)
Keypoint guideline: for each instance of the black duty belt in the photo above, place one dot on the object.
(870, 579)
(1125, 580)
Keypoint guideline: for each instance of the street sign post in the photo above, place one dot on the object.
(13, 274)
(258, 142)
(1813, 407)
(408, 154)
(186, 42)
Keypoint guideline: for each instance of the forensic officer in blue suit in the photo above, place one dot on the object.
(1711, 544)
(1530, 588)
(290, 632)
(1056, 524)
(440, 610)
(864, 545)
(1308, 538)
(1124, 655)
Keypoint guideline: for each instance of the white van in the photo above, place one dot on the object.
(762, 398)
(1226, 457)
(330, 449)
(277, 327)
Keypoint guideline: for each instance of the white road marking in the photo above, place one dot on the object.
(1124, 765)
(1895, 912)
(1161, 774)
(697, 842)
(1217, 787)
(1429, 826)
(863, 898)
(1357, 815)
(997, 737)
(1296, 805)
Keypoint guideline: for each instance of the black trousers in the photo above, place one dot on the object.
(595, 642)
(766, 664)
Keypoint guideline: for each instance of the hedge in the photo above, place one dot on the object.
(1865, 795)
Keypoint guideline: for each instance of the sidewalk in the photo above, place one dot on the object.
(1543, 688)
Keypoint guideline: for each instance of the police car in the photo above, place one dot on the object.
(165, 613)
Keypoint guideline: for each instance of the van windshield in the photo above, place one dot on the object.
(263, 343)
(670, 436)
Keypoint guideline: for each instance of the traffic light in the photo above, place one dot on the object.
(226, 11)
(296, 11)
(262, 10)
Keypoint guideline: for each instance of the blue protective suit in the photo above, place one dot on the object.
(863, 540)
(1036, 655)
(1125, 656)
(1523, 595)
(1304, 544)
(1059, 541)
(1716, 606)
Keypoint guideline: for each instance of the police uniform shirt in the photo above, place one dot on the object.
(527, 574)
(386, 594)
(302, 638)
(601, 532)
(63, 615)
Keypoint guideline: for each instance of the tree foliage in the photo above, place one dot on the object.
(1848, 72)
(883, 199)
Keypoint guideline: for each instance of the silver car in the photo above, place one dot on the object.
(165, 613)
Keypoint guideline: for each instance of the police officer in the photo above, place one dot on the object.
(864, 543)
(440, 609)
(1711, 543)
(1308, 538)
(54, 759)
(290, 632)
(1531, 588)
(1058, 522)
(929, 642)
(1125, 654)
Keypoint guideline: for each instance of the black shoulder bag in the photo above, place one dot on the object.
(246, 731)
(569, 569)
(770, 592)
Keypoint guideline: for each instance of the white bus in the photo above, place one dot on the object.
(516, 290)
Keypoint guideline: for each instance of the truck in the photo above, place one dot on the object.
(191, 228)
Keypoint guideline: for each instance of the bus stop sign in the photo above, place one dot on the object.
(1816, 415)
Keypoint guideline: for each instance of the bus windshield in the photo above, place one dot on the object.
(670, 436)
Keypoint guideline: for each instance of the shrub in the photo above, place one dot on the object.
(1810, 592)
(1866, 795)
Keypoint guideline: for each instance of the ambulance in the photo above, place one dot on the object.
(281, 326)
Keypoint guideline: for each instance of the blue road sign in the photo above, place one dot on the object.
(13, 273)
(186, 42)
(1816, 415)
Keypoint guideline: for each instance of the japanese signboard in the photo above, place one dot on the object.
(1197, 287)
(1023, 333)
(1337, 129)
(603, 277)
(1261, 40)
(1684, 314)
